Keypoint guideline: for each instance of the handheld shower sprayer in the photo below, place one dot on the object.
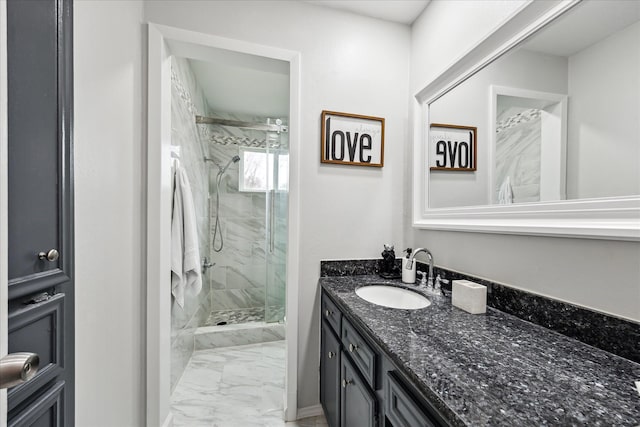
(217, 230)
(234, 159)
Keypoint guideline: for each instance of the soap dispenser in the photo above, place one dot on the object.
(408, 274)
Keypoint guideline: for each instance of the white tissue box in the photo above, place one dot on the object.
(469, 296)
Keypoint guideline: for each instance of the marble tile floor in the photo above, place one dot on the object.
(239, 386)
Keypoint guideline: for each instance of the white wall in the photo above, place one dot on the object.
(604, 137)
(351, 64)
(446, 30)
(110, 299)
(602, 275)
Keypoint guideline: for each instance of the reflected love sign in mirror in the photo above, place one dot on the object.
(452, 147)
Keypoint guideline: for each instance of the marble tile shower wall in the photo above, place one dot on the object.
(518, 153)
(240, 277)
(187, 100)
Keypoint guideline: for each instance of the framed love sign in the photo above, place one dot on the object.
(452, 148)
(352, 139)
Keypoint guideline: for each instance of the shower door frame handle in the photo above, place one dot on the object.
(272, 198)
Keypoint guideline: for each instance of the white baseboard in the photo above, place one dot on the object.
(168, 422)
(310, 411)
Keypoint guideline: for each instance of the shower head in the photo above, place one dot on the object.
(234, 159)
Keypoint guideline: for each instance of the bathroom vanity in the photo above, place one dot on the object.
(359, 384)
(442, 366)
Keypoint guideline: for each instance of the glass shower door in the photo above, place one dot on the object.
(277, 201)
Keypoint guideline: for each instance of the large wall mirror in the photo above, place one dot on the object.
(555, 97)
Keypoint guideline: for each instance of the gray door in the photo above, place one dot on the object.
(40, 201)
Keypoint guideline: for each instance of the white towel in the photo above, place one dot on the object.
(185, 253)
(177, 285)
(505, 195)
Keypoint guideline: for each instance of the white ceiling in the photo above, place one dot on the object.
(238, 83)
(235, 87)
(401, 11)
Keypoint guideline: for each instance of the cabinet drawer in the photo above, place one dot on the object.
(401, 408)
(362, 354)
(331, 314)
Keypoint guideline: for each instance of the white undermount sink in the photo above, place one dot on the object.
(390, 296)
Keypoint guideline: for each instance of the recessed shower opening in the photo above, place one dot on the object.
(229, 134)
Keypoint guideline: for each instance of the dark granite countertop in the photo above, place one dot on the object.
(494, 369)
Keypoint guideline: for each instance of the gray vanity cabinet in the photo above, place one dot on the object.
(359, 384)
(345, 395)
(330, 374)
(401, 408)
(358, 405)
(347, 372)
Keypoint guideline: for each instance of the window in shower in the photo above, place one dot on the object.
(261, 171)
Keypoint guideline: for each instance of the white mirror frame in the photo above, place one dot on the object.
(614, 218)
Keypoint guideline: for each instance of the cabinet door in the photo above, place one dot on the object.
(400, 407)
(330, 375)
(357, 403)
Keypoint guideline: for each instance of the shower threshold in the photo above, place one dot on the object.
(242, 327)
(243, 315)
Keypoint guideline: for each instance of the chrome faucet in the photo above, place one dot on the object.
(206, 264)
(409, 265)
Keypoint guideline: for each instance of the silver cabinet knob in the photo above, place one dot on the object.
(51, 256)
(327, 313)
(331, 355)
(345, 383)
(353, 347)
(17, 368)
